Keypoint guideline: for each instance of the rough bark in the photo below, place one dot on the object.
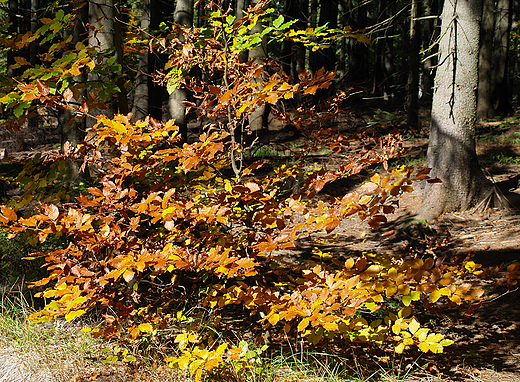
(451, 150)
(183, 15)
(499, 83)
(412, 99)
(485, 109)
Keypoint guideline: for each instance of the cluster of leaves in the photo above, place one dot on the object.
(160, 230)
(163, 228)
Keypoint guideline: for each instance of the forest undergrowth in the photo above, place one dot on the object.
(486, 343)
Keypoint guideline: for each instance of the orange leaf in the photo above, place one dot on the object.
(9, 213)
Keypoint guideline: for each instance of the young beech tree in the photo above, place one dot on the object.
(451, 150)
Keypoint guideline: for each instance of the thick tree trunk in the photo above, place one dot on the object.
(485, 109)
(499, 83)
(183, 16)
(106, 35)
(451, 150)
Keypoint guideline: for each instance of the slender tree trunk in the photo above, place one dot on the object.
(290, 10)
(184, 16)
(451, 150)
(140, 107)
(499, 83)
(342, 59)
(358, 70)
(298, 61)
(33, 48)
(73, 129)
(327, 57)
(431, 33)
(13, 30)
(412, 101)
(313, 20)
(241, 7)
(485, 109)
(257, 117)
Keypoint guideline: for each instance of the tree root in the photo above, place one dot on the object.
(496, 198)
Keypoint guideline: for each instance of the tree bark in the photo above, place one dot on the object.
(431, 33)
(140, 107)
(106, 35)
(358, 70)
(412, 100)
(451, 150)
(184, 16)
(256, 118)
(485, 109)
(499, 83)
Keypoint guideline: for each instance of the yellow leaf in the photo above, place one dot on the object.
(330, 326)
(73, 314)
(435, 295)
(414, 326)
(273, 319)
(399, 348)
(303, 324)
(146, 327)
(391, 290)
(424, 347)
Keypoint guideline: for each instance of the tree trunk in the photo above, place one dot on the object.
(499, 83)
(451, 150)
(485, 109)
(240, 8)
(72, 129)
(140, 108)
(256, 118)
(358, 70)
(327, 57)
(431, 33)
(184, 16)
(12, 30)
(106, 35)
(412, 99)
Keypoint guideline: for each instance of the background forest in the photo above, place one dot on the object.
(175, 173)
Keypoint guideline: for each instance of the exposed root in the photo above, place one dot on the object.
(495, 198)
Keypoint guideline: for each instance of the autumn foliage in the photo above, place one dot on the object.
(162, 230)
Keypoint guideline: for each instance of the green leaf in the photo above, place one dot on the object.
(230, 19)
(407, 300)
(278, 22)
(60, 14)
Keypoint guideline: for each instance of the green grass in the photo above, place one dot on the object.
(64, 352)
(58, 347)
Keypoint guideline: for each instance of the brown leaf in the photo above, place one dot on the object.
(42, 88)
(68, 95)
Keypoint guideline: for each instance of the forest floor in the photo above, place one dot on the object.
(487, 343)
